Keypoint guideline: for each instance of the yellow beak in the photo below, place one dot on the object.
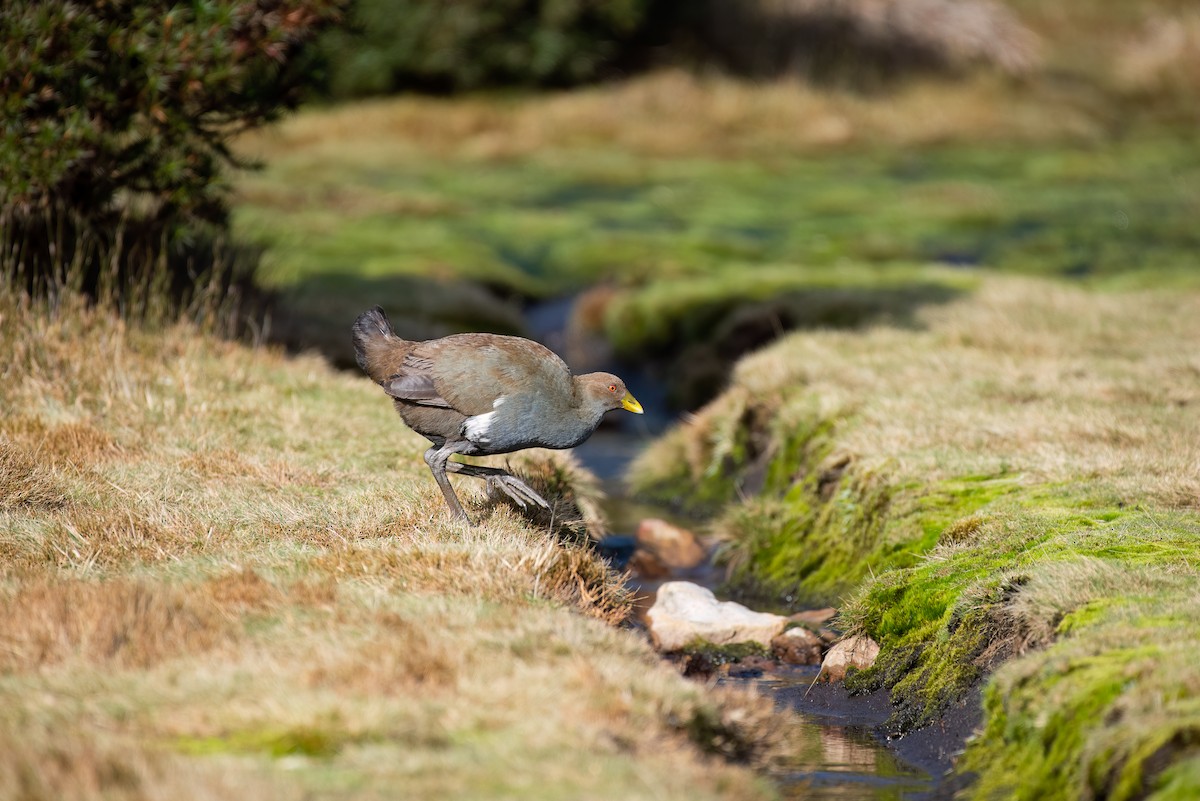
(630, 403)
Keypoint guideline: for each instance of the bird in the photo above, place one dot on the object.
(479, 394)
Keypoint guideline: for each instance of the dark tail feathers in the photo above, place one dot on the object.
(370, 326)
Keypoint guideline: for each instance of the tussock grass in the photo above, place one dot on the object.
(25, 482)
(1113, 697)
(118, 622)
(48, 763)
(220, 568)
(672, 114)
(1014, 478)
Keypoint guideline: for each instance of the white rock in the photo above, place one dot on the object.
(684, 612)
(853, 652)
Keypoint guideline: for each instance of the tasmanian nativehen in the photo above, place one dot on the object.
(483, 394)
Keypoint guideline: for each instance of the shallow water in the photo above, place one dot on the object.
(840, 757)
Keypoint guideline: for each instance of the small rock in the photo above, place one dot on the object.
(684, 612)
(647, 565)
(676, 547)
(697, 666)
(853, 652)
(798, 647)
(752, 667)
(814, 617)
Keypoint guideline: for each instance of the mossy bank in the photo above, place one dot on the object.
(1006, 489)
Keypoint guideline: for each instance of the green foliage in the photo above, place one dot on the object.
(427, 44)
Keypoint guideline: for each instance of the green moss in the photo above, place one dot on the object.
(724, 654)
(818, 533)
(1180, 782)
(1077, 724)
(301, 741)
(1086, 615)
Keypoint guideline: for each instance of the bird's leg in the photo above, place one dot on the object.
(521, 493)
(438, 459)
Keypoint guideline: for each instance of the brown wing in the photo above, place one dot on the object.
(469, 372)
(414, 383)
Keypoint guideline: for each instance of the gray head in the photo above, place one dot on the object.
(604, 391)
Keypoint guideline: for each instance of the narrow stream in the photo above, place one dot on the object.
(842, 757)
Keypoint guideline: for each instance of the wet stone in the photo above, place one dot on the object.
(814, 617)
(798, 646)
(853, 652)
(675, 547)
(647, 565)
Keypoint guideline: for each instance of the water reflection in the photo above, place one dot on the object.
(839, 761)
(848, 763)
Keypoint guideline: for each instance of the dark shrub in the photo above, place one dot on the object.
(447, 45)
(116, 115)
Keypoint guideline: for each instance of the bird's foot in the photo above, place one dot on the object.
(516, 489)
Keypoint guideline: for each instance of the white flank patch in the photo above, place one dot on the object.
(476, 428)
(496, 403)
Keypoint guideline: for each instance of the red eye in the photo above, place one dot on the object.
(612, 387)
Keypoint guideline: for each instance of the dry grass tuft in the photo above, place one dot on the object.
(122, 623)
(964, 530)
(403, 657)
(573, 492)
(245, 590)
(25, 481)
(78, 443)
(229, 464)
(576, 577)
(534, 567)
(59, 764)
(1032, 379)
(87, 536)
(1039, 610)
(671, 114)
(1164, 55)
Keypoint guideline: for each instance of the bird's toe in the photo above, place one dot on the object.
(518, 490)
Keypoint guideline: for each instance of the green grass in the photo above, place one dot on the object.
(545, 225)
